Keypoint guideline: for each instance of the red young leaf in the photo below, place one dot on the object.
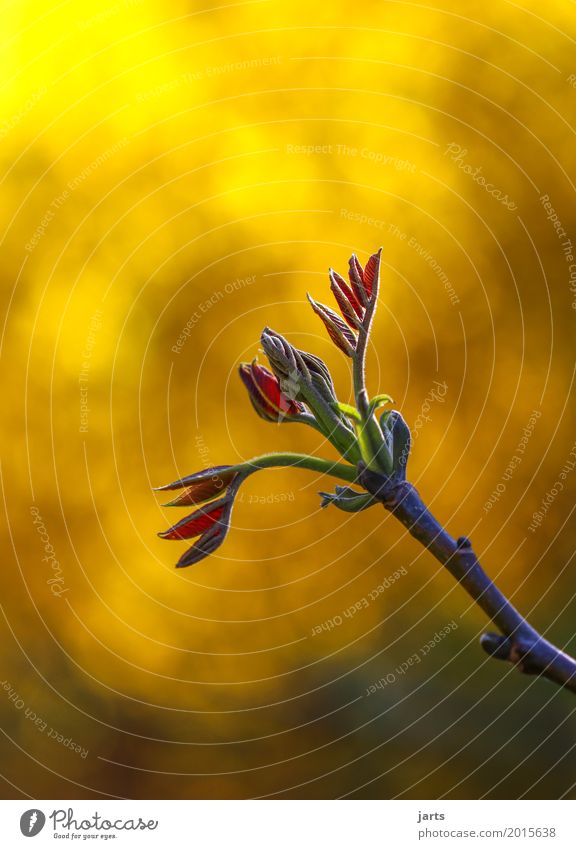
(196, 524)
(222, 473)
(200, 492)
(337, 329)
(346, 300)
(356, 276)
(206, 545)
(347, 292)
(264, 390)
(370, 272)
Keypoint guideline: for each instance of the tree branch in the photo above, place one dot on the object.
(518, 642)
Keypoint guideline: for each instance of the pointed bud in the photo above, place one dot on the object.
(205, 546)
(296, 370)
(350, 308)
(337, 329)
(372, 274)
(198, 493)
(356, 277)
(210, 524)
(266, 395)
(211, 539)
(280, 353)
(311, 382)
(221, 476)
(316, 369)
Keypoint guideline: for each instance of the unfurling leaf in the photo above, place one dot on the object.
(209, 523)
(348, 499)
(349, 305)
(311, 382)
(337, 329)
(371, 273)
(197, 523)
(221, 476)
(356, 277)
(394, 424)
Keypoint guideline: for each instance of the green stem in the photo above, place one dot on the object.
(373, 444)
(359, 364)
(330, 424)
(301, 461)
(304, 418)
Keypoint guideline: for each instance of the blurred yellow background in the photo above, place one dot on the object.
(165, 167)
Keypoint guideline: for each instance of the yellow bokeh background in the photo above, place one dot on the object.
(173, 167)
